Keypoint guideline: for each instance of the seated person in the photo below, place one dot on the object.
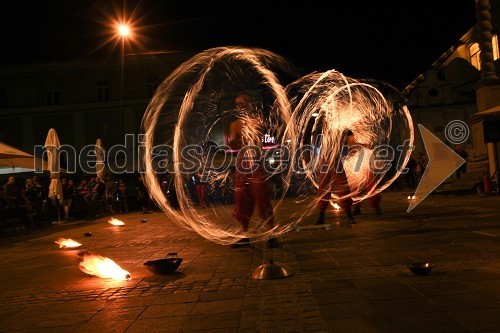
(19, 208)
(95, 196)
(11, 188)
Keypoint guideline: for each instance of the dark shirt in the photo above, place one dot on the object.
(68, 191)
(101, 189)
(12, 190)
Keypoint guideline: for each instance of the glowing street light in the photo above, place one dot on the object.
(123, 30)
(124, 33)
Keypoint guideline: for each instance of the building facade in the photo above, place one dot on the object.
(82, 100)
(448, 91)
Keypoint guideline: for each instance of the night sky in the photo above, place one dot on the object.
(390, 40)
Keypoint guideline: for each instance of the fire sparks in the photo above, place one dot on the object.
(67, 243)
(96, 265)
(315, 111)
(116, 222)
(222, 67)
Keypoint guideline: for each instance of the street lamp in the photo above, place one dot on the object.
(123, 32)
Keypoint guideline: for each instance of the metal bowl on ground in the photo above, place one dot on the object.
(420, 268)
(164, 266)
(271, 270)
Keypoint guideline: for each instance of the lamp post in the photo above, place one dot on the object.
(123, 32)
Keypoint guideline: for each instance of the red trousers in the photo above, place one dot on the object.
(333, 182)
(200, 191)
(250, 192)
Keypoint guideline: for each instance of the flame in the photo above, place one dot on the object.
(411, 197)
(94, 264)
(67, 243)
(116, 222)
(336, 206)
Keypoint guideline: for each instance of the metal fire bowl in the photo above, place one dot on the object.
(164, 266)
(420, 268)
(271, 271)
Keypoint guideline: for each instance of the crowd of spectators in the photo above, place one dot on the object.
(25, 200)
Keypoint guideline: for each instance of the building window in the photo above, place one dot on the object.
(102, 90)
(151, 85)
(475, 52)
(52, 97)
(494, 42)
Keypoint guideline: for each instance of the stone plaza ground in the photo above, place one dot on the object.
(346, 279)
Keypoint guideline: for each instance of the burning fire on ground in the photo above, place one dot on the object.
(116, 222)
(67, 243)
(97, 265)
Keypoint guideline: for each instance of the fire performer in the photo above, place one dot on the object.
(334, 181)
(250, 183)
(374, 200)
(337, 180)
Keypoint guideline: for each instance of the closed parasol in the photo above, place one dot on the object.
(99, 166)
(52, 146)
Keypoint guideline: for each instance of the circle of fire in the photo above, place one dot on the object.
(196, 99)
(357, 127)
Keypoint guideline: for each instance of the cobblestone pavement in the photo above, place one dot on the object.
(346, 279)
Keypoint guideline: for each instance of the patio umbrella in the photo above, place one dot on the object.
(52, 146)
(13, 160)
(99, 166)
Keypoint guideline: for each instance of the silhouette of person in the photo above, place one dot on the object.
(250, 185)
(335, 181)
(374, 200)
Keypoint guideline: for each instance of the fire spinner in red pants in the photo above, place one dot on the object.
(250, 180)
(334, 182)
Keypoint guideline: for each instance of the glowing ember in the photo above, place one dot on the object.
(67, 243)
(116, 222)
(336, 206)
(94, 264)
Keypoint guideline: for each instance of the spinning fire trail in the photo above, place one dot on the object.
(195, 104)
